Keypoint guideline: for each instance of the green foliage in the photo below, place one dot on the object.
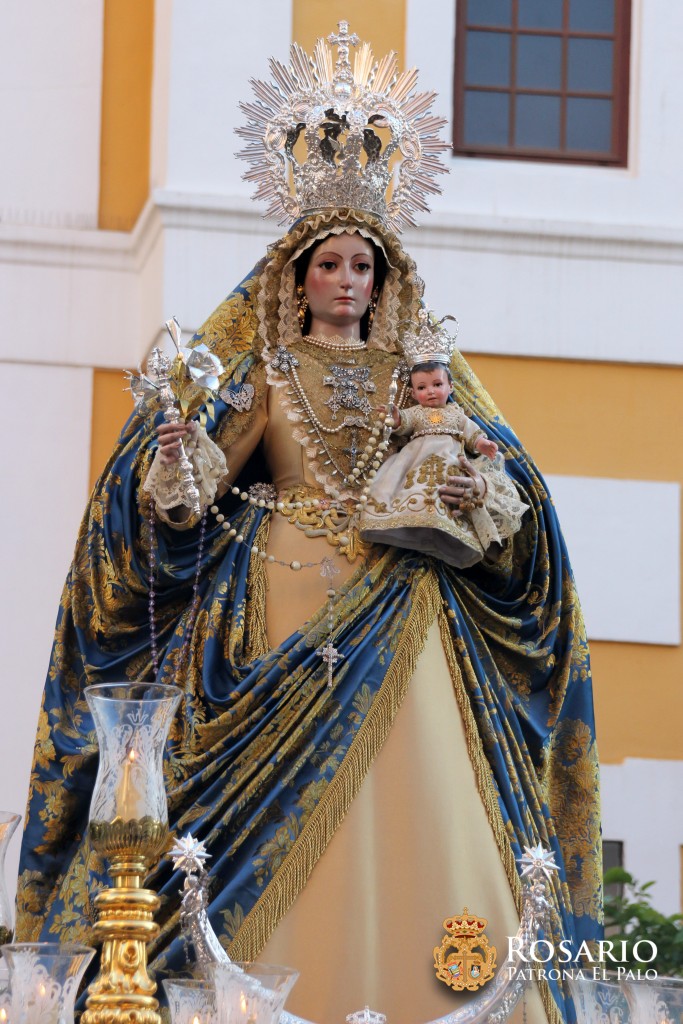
(631, 918)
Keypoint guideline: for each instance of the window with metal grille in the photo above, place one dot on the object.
(613, 857)
(542, 79)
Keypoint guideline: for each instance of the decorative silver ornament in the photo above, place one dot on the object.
(330, 656)
(263, 492)
(240, 398)
(283, 360)
(189, 855)
(143, 390)
(537, 860)
(328, 570)
(203, 366)
(366, 1016)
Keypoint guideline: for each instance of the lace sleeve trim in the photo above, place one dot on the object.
(209, 465)
(501, 516)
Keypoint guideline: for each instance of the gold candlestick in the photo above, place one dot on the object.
(123, 990)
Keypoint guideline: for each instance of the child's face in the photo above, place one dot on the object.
(430, 387)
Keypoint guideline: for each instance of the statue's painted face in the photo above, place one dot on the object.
(338, 284)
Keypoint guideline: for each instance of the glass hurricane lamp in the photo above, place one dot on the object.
(129, 828)
(8, 824)
(251, 993)
(43, 981)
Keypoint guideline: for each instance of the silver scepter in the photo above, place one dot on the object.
(159, 365)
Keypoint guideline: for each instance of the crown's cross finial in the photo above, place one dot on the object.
(342, 40)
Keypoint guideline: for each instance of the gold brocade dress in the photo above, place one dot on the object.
(363, 929)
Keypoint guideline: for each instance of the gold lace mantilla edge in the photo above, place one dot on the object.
(274, 297)
(294, 871)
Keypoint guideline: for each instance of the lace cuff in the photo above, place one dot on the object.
(209, 466)
(501, 516)
(471, 441)
(405, 426)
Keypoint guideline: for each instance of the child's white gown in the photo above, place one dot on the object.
(404, 508)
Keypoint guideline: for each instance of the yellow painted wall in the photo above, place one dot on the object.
(111, 407)
(380, 22)
(596, 419)
(127, 65)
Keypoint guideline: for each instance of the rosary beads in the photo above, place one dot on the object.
(280, 506)
(329, 653)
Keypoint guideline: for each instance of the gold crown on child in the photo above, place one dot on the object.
(428, 341)
(369, 140)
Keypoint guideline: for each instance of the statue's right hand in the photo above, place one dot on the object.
(170, 437)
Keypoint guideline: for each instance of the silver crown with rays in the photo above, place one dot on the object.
(428, 341)
(325, 134)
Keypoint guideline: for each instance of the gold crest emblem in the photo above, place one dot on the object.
(465, 959)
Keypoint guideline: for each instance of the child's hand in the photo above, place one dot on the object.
(486, 447)
(393, 412)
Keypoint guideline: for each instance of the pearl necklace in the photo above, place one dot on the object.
(335, 343)
(375, 448)
(329, 653)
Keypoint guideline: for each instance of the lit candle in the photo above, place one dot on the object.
(249, 1018)
(130, 803)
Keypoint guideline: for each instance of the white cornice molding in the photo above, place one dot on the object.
(107, 290)
(120, 251)
(102, 290)
(168, 209)
(202, 212)
(560, 239)
(450, 230)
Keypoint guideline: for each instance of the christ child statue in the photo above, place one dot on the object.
(405, 507)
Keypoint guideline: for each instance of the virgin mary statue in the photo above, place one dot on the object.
(369, 737)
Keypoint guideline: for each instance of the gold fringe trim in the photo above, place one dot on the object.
(488, 793)
(292, 875)
(257, 636)
(482, 768)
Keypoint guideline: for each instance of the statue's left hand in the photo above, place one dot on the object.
(464, 488)
(170, 436)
